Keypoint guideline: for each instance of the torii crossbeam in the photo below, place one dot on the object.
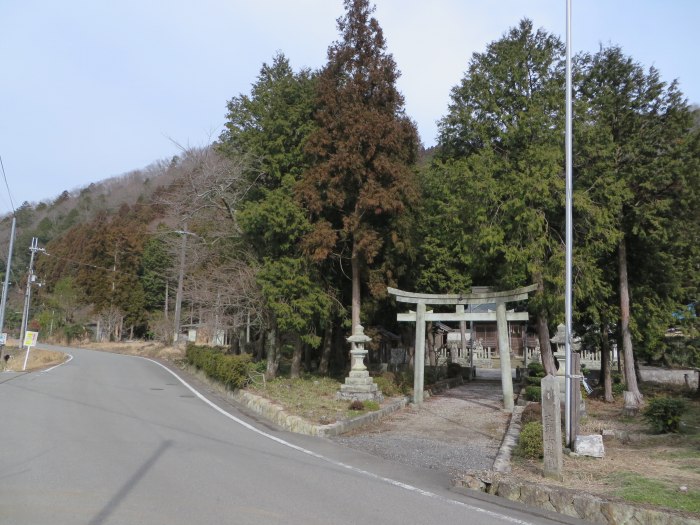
(420, 316)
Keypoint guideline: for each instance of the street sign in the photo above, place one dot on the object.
(30, 338)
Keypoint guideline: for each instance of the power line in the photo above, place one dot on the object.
(9, 194)
(80, 263)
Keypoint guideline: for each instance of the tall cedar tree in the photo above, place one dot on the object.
(646, 160)
(502, 151)
(361, 179)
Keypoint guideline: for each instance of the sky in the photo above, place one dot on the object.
(92, 89)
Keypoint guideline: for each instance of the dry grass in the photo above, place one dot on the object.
(140, 348)
(634, 461)
(310, 397)
(38, 359)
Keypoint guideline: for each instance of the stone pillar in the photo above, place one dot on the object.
(359, 385)
(419, 357)
(551, 428)
(504, 354)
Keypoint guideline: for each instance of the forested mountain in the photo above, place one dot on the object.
(317, 195)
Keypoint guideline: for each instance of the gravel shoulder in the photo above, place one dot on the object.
(458, 430)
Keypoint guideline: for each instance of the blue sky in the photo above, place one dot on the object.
(92, 89)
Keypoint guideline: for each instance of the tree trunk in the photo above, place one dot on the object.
(635, 398)
(273, 352)
(605, 364)
(323, 366)
(355, 289)
(260, 346)
(546, 355)
(296, 358)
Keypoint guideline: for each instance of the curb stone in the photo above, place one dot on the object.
(277, 415)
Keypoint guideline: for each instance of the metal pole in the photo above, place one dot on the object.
(569, 232)
(8, 266)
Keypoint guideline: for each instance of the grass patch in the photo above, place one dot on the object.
(638, 489)
(310, 397)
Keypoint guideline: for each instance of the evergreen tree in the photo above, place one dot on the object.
(360, 182)
(504, 133)
(270, 126)
(644, 166)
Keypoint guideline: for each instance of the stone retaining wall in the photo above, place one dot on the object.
(578, 505)
(669, 376)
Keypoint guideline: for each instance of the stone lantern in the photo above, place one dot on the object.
(359, 385)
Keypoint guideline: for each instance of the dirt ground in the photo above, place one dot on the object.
(671, 459)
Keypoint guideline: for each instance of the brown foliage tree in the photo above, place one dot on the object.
(361, 179)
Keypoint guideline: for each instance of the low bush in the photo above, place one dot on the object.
(231, 370)
(356, 404)
(533, 393)
(387, 384)
(618, 388)
(535, 373)
(664, 414)
(532, 412)
(530, 443)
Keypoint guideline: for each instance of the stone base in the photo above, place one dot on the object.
(349, 395)
(360, 387)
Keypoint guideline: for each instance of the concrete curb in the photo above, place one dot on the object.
(275, 413)
(510, 440)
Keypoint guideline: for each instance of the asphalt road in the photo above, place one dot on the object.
(113, 439)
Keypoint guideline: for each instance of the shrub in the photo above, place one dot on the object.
(530, 443)
(532, 412)
(535, 369)
(664, 414)
(356, 404)
(387, 384)
(535, 373)
(533, 393)
(618, 388)
(454, 370)
(231, 370)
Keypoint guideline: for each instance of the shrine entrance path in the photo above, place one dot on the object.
(458, 430)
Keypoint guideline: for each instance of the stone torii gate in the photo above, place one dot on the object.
(421, 316)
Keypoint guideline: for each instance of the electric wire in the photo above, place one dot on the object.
(9, 193)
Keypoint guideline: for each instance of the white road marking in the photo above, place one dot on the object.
(338, 463)
(70, 358)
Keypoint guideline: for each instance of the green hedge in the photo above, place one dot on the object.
(530, 443)
(533, 393)
(231, 370)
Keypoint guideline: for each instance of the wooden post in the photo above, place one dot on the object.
(504, 353)
(419, 357)
(551, 428)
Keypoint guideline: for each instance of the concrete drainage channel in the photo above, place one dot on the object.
(496, 481)
(584, 506)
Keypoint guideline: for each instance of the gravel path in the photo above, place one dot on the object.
(458, 430)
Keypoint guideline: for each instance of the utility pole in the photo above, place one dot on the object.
(28, 294)
(3, 303)
(180, 280)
